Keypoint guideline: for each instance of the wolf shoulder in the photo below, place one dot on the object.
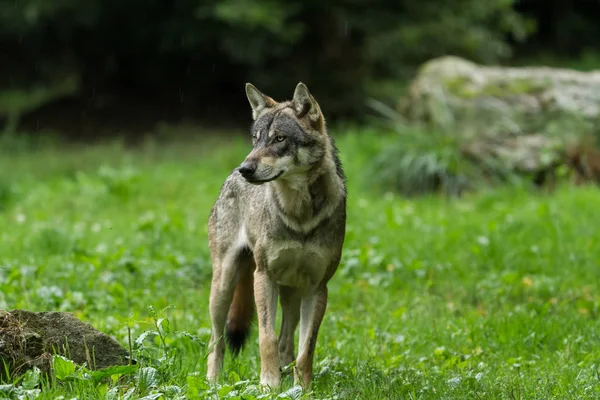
(236, 190)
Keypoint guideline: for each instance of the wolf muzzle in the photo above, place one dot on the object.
(248, 168)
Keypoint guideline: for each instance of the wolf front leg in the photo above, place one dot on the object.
(312, 310)
(265, 293)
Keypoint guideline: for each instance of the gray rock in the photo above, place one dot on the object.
(522, 118)
(521, 154)
(500, 100)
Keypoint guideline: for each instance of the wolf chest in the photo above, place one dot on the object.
(296, 264)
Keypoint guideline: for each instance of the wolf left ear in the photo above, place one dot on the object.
(258, 101)
(305, 104)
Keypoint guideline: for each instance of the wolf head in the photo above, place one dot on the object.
(288, 138)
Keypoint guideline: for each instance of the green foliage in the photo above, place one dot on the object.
(408, 33)
(17, 102)
(28, 388)
(209, 47)
(493, 295)
(62, 367)
(422, 162)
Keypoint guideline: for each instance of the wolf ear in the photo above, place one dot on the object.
(304, 103)
(258, 101)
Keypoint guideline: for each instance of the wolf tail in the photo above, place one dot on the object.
(241, 312)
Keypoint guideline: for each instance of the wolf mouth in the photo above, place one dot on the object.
(260, 182)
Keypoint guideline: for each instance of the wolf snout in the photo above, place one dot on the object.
(248, 168)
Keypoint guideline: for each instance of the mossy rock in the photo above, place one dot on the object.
(494, 100)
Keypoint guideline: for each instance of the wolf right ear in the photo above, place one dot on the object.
(305, 103)
(258, 101)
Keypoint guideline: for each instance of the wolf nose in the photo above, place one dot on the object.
(247, 168)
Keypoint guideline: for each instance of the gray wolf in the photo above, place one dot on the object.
(277, 231)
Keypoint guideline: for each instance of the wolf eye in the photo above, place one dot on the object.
(279, 138)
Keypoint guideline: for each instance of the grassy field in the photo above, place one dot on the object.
(493, 296)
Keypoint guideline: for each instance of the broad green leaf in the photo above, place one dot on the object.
(63, 367)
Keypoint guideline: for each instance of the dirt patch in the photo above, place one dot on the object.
(29, 339)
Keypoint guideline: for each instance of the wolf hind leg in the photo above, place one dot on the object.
(311, 315)
(221, 295)
(290, 299)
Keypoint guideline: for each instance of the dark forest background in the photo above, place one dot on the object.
(96, 67)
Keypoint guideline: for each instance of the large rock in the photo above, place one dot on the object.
(514, 119)
(30, 339)
(501, 100)
(520, 154)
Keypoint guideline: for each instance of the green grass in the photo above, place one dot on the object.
(494, 296)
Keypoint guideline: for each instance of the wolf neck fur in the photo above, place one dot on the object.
(304, 200)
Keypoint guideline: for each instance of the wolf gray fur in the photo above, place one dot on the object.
(277, 230)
